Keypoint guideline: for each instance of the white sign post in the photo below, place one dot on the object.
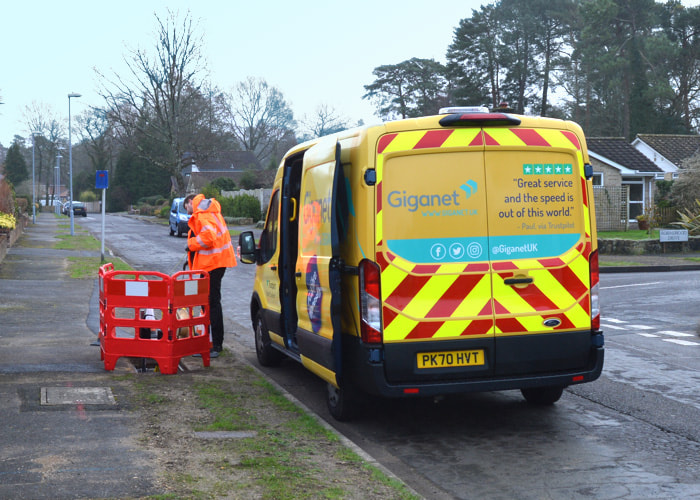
(101, 182)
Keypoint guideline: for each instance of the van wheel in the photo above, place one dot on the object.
(542, 395)
(267, 355)
(343, 403)
(172, 233)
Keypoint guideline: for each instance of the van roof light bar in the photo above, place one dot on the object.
(463, 109)
(479, 119)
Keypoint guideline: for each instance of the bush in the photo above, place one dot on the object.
(690, 219)
(244, 205)
(23, 204)
(7, 197)
(7, 221)
(684, 191)
(249, 180)
(211, 191)
(87, 195)
(224, 184)
(155, 200)
(164, 212)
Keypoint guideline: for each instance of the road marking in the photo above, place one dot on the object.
(676, 334)
(680, 342)
(613, 327)
(658, 334)
(627, 286)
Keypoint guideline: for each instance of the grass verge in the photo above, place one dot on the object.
(282, 454)
(635, 234)
(84, 267)
(619, 263)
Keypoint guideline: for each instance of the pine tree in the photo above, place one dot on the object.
(15, 167)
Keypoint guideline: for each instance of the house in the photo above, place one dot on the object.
(667, 151)
(227, 164)
(617, 165)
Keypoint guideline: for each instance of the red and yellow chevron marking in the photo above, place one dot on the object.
(543, 137)
(430, 301)
(420, 302)
(560, 289)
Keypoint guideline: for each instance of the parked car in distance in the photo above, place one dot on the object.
(178, 217)
(52, 203)
(78, 208)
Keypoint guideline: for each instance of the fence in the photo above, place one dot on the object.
(611, 207)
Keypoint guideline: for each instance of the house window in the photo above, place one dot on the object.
(636, 196)
(597, 179)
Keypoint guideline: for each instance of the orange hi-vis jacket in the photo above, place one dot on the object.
(209, 241)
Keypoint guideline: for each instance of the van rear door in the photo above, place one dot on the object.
(539, 244)
(432, 249)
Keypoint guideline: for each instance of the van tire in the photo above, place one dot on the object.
(172, 233)
(267, 355)
(542, 396)
(343, 403)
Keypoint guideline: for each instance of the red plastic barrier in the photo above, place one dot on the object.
(145, 314)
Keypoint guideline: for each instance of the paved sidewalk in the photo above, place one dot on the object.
(62, 437)
(649, 263)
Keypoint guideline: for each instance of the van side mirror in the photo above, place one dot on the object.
(246, 245)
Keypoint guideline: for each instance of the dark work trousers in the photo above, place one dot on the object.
(216, 316)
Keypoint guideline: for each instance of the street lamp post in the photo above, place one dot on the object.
(57, 188)
(34, 134)
(70, 167)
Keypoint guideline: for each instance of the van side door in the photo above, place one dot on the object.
(318, 264)
(269, 274)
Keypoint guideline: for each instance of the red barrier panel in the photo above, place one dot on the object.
(146, 314)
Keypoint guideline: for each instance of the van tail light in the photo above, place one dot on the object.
(595, 290)
(370, 303)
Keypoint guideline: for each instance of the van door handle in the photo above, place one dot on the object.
(518, 281)
(273, 268)
(298, 274)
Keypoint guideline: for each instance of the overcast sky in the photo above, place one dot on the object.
(314, 51)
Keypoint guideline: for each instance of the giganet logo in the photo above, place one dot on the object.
(447, 203)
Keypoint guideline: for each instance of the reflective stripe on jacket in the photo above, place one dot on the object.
(209, 241)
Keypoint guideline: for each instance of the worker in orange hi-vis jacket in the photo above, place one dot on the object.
(209, 248)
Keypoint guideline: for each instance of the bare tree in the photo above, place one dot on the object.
(157, 107)
(50, 135)
(96, 133)
(324, 122)
(258, 117)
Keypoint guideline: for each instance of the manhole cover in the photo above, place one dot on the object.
(51, 396)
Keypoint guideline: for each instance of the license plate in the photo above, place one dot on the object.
(449, 359)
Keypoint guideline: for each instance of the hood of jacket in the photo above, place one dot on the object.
(202, 204)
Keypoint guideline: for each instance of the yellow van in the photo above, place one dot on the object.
(432, 256)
